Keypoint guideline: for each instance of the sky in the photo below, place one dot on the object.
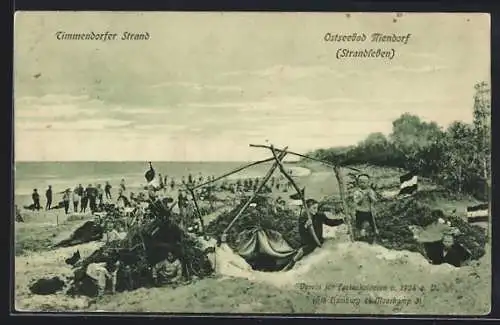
(206, 85)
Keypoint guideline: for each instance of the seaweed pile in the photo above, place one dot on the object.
(265, 215)
(145, 245)
(394, 219)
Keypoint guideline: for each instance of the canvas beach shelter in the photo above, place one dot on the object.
(257, 243)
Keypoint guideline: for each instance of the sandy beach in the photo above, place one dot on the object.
(339, 261)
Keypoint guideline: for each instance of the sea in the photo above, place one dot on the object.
(62, 175)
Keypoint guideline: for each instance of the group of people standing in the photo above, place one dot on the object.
(80, 198)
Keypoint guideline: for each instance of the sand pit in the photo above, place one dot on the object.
(46, 264)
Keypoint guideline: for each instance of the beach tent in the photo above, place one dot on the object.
(264, 249)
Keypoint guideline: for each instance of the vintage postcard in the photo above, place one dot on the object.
(291, 163)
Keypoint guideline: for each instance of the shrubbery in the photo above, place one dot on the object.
(457, 158)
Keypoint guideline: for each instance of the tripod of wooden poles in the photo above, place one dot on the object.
(278, 156)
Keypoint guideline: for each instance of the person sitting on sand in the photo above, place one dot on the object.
(168, 271)
(447, 250)
(66, 199)
(318, 219)
(48, 196)
(364, 198)
(36, 199)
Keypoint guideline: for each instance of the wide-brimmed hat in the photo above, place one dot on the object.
(435, 232)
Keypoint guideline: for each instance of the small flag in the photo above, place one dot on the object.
(478, 213)
(408, 184)
(151, 177)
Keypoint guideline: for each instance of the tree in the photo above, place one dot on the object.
(457, 156)
(411, 136)
(482, 127)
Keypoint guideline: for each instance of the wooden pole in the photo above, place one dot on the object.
(306, 208)
(347, 211)
(302, 156)
(197, 209)
(264, 181)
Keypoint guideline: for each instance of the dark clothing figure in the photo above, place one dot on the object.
(48, 196)
(318, 220)
(92, 197)
(107, 190)
(456, 255)
(36, 200)
(79, 190)
(66, 199)
(125, 201)
(362, 217)
(183, 203)
(172, 185)
(85, 202)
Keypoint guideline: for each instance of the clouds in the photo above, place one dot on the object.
(228, 80)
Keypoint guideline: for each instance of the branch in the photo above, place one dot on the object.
(303, 156)
(234, 171)
(264, 181)
(290, 179)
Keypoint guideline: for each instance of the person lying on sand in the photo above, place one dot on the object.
(318, 219)
(168, 271)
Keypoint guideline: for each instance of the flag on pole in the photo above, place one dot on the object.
(478, 213)
(151, 177)
(408, 184)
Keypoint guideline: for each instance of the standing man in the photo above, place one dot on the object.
(92, 196)
(100, 194)
(76, 199)
(84, 200)
(306, 226)
(364, 198)
(36, 199)
(66, 199)
(122, 185)
(107, 190)
(172, 184)
(48, 196)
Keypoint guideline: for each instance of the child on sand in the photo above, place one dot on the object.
(364, 198)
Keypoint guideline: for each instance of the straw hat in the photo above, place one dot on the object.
(435, 232)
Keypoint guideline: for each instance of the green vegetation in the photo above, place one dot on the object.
(457, 158)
